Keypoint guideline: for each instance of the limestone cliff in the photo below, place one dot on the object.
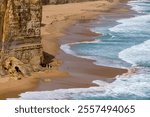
(20, 34)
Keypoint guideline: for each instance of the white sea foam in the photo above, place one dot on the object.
(139, 5)
(134, 25)
(137, 26)
(137, 55)
(67, 49)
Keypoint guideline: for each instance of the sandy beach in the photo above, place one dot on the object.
(60, 26)
(81, 71)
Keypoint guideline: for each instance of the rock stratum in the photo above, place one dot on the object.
(20, 37)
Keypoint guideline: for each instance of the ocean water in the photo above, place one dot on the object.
(126, 45)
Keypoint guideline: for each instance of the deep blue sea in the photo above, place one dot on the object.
(126, 45)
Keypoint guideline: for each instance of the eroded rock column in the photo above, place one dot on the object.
(20, 23)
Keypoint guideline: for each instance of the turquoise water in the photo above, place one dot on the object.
(125, 45)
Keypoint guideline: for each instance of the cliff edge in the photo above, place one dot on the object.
(20, 36)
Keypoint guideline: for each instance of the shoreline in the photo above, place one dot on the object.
(80, 74)
(53, 34)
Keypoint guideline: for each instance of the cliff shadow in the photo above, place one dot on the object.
(46, 59)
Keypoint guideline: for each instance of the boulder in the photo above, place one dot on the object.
(16, 68)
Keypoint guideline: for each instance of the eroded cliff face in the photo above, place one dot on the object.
(20, 34)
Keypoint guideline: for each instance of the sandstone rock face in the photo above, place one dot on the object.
(20, 34)
(21, 28)
(16, 68)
